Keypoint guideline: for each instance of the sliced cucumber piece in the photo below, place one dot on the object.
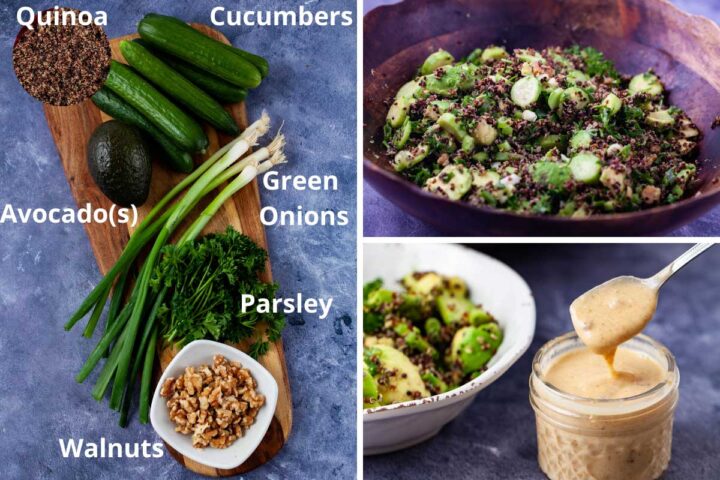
(577, 96)
(555, 98)
(503, 126)
(645, 83)
(585, 167)
(526, 91)
(435, 61)
(612, 102)
(581, 139)
(575, 76)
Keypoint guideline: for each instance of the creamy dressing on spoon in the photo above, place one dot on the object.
(613, 313)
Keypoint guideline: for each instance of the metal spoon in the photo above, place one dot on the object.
(657, 280)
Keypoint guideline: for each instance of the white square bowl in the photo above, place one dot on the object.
(198, 353)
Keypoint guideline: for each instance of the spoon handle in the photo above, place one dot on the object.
(662, 276)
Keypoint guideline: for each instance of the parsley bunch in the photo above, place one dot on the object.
(205, 280)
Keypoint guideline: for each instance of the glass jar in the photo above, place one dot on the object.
(582, 438)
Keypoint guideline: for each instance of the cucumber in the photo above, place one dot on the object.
(645, 83)
(181, 40)
(117, 108)
(156, 107)
(259, 62)
(216, 87)
(526, 91)
(585, 167)
(581, 139)
(178, 87)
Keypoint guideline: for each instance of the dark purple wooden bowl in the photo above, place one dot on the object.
(636, 34)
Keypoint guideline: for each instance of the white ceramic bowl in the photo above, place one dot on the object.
(198, 353)
(493, 284)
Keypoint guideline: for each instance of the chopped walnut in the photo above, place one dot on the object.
(215, 404)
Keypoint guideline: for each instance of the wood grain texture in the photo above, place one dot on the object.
(71, 127)
(636, 34)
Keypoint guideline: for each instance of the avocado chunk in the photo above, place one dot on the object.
(119, 161)
(454, 309)
(400, 106)
(370, 389)
(493, 53)
(456, 287)
(414, 339)
(435, 61)
(401, 378)
(453, 181)
(473, 347)
(423, 284)
(660, 119)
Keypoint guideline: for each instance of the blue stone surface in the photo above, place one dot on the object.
(381, 218)
(47, 269)
(495, 437)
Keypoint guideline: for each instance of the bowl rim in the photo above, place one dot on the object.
(711, 195)
(269, 388)
(474, 386)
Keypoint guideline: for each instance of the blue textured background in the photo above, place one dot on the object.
(385, 219)
(494, 438)
(47, 269)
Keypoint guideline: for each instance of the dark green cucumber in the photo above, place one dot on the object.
(119, 109)
(260, 63)
(183, 41)
(156, 107)
(216, 87)
(178, 87)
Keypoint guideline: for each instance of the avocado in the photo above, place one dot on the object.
(119, 161)
(401, 380)
(473, 347)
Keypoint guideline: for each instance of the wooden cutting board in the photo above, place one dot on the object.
(71, 128)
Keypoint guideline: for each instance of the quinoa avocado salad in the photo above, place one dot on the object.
(550, 132)
(423, 341)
